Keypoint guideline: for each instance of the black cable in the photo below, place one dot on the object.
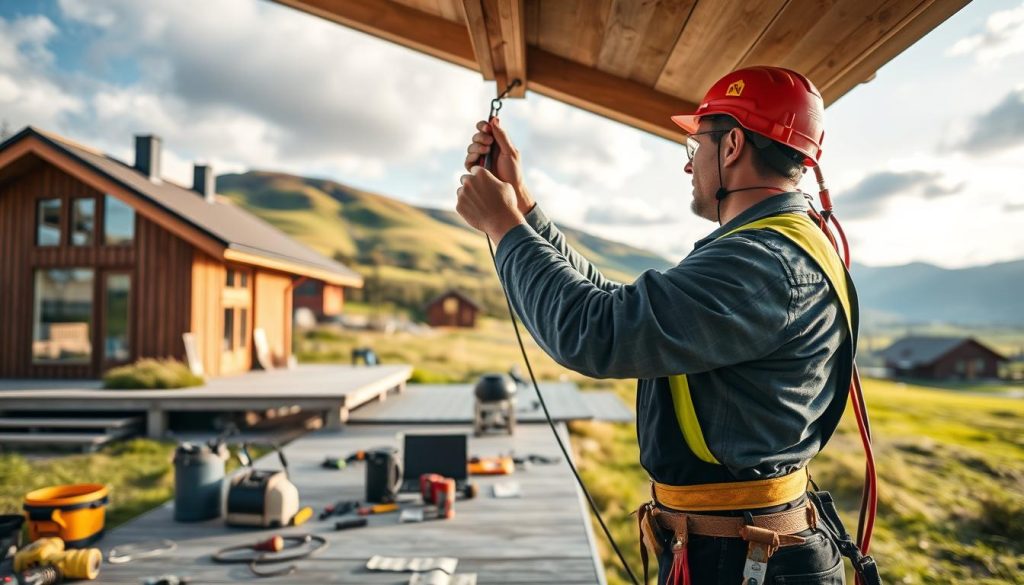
(265, 558)
(551, 423)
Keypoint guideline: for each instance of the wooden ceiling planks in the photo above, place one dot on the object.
(716, 37)
(796, 21)
(891, 46)
(557, 23)
(627, 22)
(667, 23)
(637, 61)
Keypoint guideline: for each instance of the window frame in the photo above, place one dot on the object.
(61, 236)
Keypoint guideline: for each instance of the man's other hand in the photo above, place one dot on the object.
(487, 203)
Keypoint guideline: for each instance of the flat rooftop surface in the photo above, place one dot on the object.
(544, 536)
(346, 385)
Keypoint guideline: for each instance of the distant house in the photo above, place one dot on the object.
(942, 358)
(103, 263)
(452, 309)
(323, 299)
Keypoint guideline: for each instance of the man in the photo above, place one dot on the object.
(743, 350)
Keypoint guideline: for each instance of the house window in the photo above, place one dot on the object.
(62, 319)
(960, 366)
(48, 222)
(450, 306)
(236, 278)
(116, 340)
(118, 222)
(83, 221)
(243, 328)
(229, 329)
(979, 366)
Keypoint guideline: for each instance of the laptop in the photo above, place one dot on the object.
(445, 455)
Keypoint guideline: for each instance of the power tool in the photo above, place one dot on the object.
(264, 497)
(73, 564)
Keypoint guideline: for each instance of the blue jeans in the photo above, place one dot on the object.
(716, 561)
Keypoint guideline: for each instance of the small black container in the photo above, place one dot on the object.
(10, 535)
(494, 388)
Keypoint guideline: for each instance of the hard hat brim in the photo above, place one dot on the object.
(687, 122)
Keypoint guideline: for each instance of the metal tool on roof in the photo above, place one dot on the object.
(339, 509)
(45, 575)
(264, 497)
(495, 405)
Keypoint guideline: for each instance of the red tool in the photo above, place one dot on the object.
(439, 491)
(273, 544)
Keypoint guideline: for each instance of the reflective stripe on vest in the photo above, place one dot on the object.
(799, 229)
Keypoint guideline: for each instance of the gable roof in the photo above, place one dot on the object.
(910, 352)
(450, 293)
(245, 237)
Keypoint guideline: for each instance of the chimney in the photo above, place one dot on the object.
(147, 156)
(203, 183)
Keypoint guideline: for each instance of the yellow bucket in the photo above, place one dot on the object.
(73, 513)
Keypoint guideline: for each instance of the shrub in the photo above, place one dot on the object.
(151, 373)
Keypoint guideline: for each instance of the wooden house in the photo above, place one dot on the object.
(104, 262)
(452, 309)
(323, 299)
(942, 358)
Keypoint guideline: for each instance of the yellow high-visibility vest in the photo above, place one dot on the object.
(799, 229)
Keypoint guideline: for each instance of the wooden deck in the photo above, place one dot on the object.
(332, 389)
(543, 537)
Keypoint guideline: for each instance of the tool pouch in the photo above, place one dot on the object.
(829, 519)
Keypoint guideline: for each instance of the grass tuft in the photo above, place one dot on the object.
(151, 374)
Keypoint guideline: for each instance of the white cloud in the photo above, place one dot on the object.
(1003, 37)
(28, 94)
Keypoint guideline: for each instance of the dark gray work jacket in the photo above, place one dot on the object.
(750, 318)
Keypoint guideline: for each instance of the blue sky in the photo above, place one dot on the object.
(924, 161)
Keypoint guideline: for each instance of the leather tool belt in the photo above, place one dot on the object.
(764, 533)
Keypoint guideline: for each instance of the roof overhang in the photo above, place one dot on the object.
(641, 62)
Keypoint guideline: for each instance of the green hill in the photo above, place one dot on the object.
(413, 252)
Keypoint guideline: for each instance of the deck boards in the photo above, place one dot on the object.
(542, 537)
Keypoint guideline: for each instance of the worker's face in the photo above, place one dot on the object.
(704, 170)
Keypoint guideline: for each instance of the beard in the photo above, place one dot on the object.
(699, 207)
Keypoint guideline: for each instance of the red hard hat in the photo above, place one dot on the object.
(777, 103)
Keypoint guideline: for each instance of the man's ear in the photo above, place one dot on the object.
(732, 147)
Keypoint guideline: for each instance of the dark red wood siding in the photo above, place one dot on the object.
(160, 300)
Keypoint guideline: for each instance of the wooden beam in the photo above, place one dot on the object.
(399, 24)
(620, 99)
(477, 27)
(918, 23)
(512, 22)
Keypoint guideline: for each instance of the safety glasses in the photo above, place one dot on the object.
(692, 145)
